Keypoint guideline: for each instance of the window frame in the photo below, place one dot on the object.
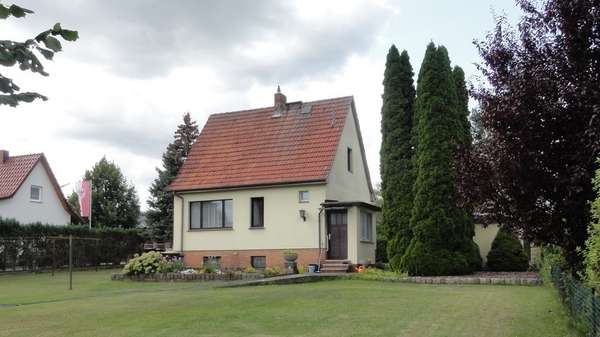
(304, 201)
(262, 212)
(223, 217)
(369, 226)
(349, 160)
(40, 189)
(252, 261)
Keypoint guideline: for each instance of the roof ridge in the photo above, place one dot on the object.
(26, 155)
(272, 107)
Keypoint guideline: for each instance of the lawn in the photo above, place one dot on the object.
(100, 307)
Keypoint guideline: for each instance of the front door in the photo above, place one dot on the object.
(337, 233)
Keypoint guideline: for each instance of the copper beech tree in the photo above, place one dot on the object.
(540, 108)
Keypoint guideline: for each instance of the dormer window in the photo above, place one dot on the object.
(35, 193)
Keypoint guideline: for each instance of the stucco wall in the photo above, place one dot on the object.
(21, 208)
(283, 227)
(484, 236)
(364, 253)
(341, 184)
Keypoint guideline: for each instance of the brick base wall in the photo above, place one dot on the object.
(241, 258)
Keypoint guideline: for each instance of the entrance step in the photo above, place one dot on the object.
(335, 266)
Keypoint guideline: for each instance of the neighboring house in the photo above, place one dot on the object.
(291, 176)
(29, 191)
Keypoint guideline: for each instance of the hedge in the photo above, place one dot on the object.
(37, 246)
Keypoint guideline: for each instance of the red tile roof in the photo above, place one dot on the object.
(251, 147)
(14, 171)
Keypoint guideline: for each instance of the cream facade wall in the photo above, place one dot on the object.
(341, 184)
(484, 236)
(49, 211)
(283, 227)
(359, 251)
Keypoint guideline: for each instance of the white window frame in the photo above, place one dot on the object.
(40, 189)
(305, 200)
(369, 230)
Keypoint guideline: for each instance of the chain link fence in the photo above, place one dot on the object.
(580, 300)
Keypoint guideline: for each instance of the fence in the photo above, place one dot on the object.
(581, 301)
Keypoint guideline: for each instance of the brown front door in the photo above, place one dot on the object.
(337, 232)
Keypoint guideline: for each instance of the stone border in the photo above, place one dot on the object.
(174, 277)
(524, 281)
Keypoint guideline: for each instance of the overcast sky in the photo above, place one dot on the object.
(123, 87)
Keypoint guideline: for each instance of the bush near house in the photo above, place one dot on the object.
(151, 263)
(507, 253)
(37, 246)
(592, 249)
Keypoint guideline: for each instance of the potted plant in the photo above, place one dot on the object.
(290, 256)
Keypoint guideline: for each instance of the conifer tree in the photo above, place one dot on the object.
(397, 152)
(441, 244)
(160, 213)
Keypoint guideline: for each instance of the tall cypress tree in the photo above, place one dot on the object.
(441, 244)
(160, 213)
(396, 153)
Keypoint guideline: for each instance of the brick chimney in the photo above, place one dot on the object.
(280, 101)
(3, 156)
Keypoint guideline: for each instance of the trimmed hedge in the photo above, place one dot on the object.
(507, 253)
(37, 246)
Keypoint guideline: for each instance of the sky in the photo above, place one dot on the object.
(121, 89)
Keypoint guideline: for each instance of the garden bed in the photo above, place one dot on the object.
(172, 277)
(508, 278)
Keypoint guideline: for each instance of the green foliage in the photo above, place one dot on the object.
(507, 253)
(32, 245)
(396, 152)
(273, 271)
(381, 251)
(375, 274)
(24, 54)
(552, 256)
(147, 263)
(442, 242)
(249, 269)
(160, 213)
(592, 245)
(73, 201)
(172, 266)
(114, 202)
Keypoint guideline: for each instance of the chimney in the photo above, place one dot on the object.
(3, 156)
(280, 101)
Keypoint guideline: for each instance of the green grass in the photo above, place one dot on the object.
(100, 307)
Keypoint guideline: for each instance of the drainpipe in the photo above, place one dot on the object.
(182, 225)
(320, 250)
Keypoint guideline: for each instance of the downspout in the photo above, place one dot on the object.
(182, 225)
(320, 250)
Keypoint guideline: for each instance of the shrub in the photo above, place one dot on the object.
(147, 263)
(507, 253)
(273, 271)
(381, 251)
(592, 245)
(250, 269)
(377, 274)
(175, 266)
(37, 246)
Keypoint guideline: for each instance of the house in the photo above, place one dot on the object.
(290, 176)
(29, 191)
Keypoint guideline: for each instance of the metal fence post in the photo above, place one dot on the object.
(70, 262)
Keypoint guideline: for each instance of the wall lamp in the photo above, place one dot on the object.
(303, 214)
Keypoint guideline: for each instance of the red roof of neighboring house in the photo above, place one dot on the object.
(15, 170)
(251, 147)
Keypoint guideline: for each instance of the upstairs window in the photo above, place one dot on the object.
(257, 216)
(35, 193)
(211, 214)
(366, 226)
(303, 196)
(349, 160)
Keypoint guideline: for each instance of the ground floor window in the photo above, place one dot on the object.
(258, 262)
(366, 226)
(211, 214)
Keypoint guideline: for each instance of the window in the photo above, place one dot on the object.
(257, 216)
(303, 196)
(349, 157)
(215, 261)
(366, 226)
(258, 262)
(211, 214)
(36, 193)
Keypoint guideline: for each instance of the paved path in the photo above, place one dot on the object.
(286, 279)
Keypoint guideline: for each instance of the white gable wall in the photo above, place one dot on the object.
(48, 211)
(341, 184)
